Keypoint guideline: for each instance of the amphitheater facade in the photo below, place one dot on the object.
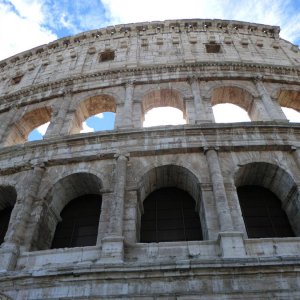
(235, 186)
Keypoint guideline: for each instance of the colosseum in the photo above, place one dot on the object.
(203, 210)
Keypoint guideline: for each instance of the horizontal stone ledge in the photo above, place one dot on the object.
(125, 73)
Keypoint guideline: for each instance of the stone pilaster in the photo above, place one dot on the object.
(231, 242)
(58, 119)
(113, 242)
(5, 122)
(271, 106)
(201, 115)
(15, 239)
(127, 108)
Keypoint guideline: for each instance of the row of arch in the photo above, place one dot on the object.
(171, 98)
(173, 207)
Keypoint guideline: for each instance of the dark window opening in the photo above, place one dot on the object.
(213, 48)
(17, 79)
(79, 225)
(262, 213)
(4, 221)
(107, 55)
(169, 215)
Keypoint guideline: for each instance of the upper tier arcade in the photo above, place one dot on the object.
(211, 44)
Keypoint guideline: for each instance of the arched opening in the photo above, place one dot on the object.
(231, 104)
(289, 101)
(73, 213)
(172, 205)
(96, 113)
(79, 223)
(8, 198)
(29, 122)
(229, 113)
(163, 107)
(38, 133)
(291, 114)
(262, 213)
(169, 215)
(269, 200)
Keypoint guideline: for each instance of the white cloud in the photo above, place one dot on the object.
(21, 27)
(100, 116)
(43, 128)
(163, 116)
(276, 12)
(86, 128)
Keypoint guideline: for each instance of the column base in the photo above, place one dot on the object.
(9, 255)
(112, 250)
(232, 244)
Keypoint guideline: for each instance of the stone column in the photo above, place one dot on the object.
(271, 106)
(14, 240)
(113, 242)
(58, 119)
(258, 111)
(127, 108)
(201, 115)
(231, 242)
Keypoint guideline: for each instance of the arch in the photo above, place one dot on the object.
(169, 215)
(30, 120)
(92, 106)
(289, 98)
(8, 197)
(276, 180)
(162, 98)
(262, 213)
(171, 177)
(79, 224)
(232, 94)
(72, 186)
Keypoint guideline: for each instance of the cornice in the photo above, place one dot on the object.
(150, 28)
(206, 71)
(260, 137)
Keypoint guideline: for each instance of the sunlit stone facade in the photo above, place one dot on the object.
(129, 69)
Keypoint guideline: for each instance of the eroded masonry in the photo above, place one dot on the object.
(203, 210)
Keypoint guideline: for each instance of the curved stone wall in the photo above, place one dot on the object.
(129, 69)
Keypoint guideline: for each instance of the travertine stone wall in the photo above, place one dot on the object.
(155, 64)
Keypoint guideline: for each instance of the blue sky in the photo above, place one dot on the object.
(25, 24)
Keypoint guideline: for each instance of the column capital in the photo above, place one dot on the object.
(258, 78)
(38, 164)
(129, 83)
(192, 79)
(122, 156)
(207, 148)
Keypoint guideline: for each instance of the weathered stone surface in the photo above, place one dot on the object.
(130, 69)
